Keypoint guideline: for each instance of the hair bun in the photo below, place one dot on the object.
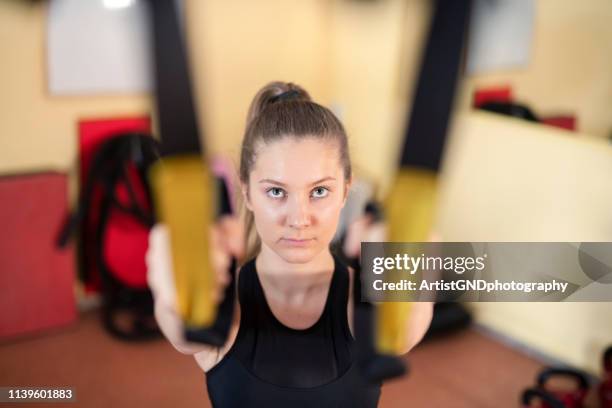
(275, 92)
(292, 94)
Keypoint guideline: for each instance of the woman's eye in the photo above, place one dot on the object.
(320, 192)
(275, 192)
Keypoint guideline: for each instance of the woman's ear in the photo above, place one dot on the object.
(347, 188)
(245, 195)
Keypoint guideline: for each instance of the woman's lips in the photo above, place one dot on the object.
(297, 242)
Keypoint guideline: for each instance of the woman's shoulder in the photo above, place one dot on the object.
(345, 267)
(245, 266)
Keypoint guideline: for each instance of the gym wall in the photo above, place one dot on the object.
(358, 57)
(540, 183)
(37, 131)
(569, 68)
(510, 180)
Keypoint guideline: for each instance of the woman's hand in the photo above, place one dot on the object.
(226, 242)
(161, 282)
(363, 229)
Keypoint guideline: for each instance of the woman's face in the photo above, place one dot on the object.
(296, 191)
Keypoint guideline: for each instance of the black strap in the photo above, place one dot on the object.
(175, 102)
(435, 91)
(607, 360)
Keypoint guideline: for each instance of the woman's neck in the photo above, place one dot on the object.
(293, 281)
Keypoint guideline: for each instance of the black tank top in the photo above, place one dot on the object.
(272, 365)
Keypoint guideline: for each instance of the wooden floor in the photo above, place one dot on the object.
(468, 369)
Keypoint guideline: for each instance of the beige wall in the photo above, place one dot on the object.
(503, 181)
(506, 180)
(38, 131)
(358, 57)
(570, 66)
(509, 180)
(238, 46)
(375, 47)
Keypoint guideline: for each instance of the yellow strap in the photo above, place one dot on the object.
(184, 194)
(409, 210)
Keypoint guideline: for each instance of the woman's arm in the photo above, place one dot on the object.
(419, 318)
(417, 324)
(161, 282)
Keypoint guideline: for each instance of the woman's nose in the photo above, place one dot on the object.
(298, 214)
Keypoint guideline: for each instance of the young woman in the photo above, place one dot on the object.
(292, 340)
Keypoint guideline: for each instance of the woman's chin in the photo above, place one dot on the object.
(297, 255)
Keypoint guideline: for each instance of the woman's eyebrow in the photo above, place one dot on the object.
(284, 185)
(328, 178)
(270, 181)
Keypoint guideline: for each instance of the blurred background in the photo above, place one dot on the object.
(534, 164)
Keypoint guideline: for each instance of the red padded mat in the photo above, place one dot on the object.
(36, 278)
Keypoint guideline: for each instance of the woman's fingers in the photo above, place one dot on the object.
(159, 265)
(233, 235)
(376, 232)
(227, 242)
(363, 229)
(354, 233)
(160, 278)
(219, 262)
